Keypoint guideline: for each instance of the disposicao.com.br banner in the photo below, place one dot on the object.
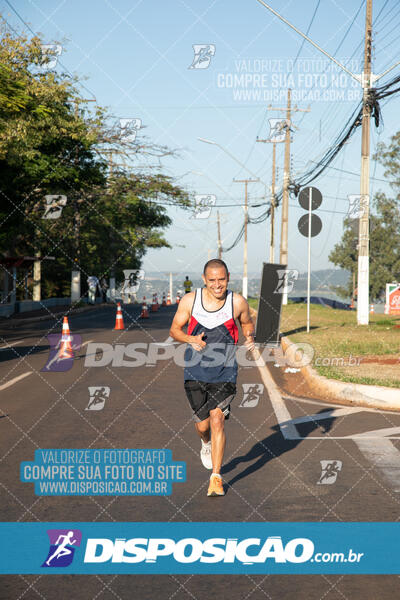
(213, 548)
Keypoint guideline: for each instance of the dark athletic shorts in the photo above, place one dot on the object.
(204, 397)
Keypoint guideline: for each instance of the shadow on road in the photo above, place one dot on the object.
(274, 446)
(299, 330)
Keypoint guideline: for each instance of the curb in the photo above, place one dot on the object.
(353, 394)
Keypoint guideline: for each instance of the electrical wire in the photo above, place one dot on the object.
(58, 61)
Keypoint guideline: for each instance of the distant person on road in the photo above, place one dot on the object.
(104, 288)
(93, 284)
(187, 284)
(210, 362)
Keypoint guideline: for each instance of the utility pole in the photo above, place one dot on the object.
(283, 255)
(283, 258)
(219, 237)
(365, 79)
(272, 215)
(272, 202)
(363, 233)
(76, 272)
(245, 279)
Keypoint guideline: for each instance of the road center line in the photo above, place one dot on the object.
(15, 380)
(10, 345)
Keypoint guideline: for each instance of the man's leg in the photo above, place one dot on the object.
(203, 429)
(218, 438)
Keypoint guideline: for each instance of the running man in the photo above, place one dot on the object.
(187, 284)
(210, 362)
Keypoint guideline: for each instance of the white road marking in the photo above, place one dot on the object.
(86, 343)
(374, 445)
(377, 433)
(328, 414)
(15, 380)
(10, 345)
(283, 417)
(383, 455)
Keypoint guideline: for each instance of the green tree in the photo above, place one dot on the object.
(49, 145)
(384, 248)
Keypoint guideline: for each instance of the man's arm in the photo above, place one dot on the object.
(181, 318)
(245, 321)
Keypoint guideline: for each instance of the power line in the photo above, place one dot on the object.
(307, 32)
(35, 34)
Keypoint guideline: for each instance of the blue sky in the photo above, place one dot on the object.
(136, 57)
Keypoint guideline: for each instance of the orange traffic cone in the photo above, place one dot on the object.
(157, 303)
(371, 310)
(66, 347)
(145, 313)
(164, 302)
(119, 321)
(168, 299)
(178, 298)
(154, 305)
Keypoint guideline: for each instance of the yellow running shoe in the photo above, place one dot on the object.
(215, 488)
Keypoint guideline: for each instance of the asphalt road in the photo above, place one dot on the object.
(272, 467)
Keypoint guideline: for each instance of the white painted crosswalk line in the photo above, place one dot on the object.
(384, 456)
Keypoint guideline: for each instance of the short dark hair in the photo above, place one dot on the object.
(215, 262)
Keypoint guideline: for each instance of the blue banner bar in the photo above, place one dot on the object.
(213, 548)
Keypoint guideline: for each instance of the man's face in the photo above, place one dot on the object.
(216, 281)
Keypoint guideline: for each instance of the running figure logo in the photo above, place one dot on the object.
(50, 54)
(97, 397)
(357, 206)
(277, 130)
(129, 128)
(54, 206)
(203, 54)
(330, 470)
(55, 361)
(287, 277)
(251, 394)
(63, 543)
(203, 204)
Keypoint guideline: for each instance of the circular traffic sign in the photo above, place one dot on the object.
(304, 198)
(316, 225)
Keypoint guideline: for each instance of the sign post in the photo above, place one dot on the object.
(309, 225)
